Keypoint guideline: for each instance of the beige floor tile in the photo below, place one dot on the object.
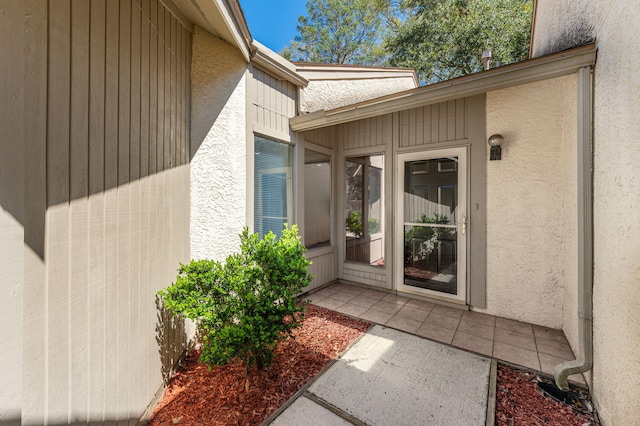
(378, 317)
(434, 332)
(386, 306)
(516, 355)
(446, 310)
(557, 349)
(326, 292)
(480, 318)
(363, 300)
(548, 364)
(517, 326)
(344, 296)
(404, 324)
(351, 309)
(473, 343)
(442, 321)
(374, 294)
(331, 303)
(394, 298)
(549, 334)
(420, 304)
(476, 329)
(354, 290)
(413, 313)
(515, 339)
(315, 298)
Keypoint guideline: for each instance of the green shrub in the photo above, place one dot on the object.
(246, 305)
(354, 223)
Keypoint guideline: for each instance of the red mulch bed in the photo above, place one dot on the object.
(518, 402)
(197, 395)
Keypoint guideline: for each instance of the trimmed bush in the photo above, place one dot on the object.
(246, 305)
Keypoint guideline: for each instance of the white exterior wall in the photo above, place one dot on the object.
(615, 24)
(330, 94)
(531, 199)
(218, 147)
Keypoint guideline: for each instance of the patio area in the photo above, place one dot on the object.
(524, 344)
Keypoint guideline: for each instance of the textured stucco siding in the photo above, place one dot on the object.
(218, 148)
(615, 25)
(530, 199)
(329, 94)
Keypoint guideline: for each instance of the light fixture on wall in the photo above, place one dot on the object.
(495, 142)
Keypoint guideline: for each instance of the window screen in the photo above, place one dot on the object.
(273, 192)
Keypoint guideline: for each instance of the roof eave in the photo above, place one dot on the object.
(542, 68)
(276, 65)
(222, 18)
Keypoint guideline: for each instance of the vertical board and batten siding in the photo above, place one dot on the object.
(369, 132)
(443, 122)
(322, 268)
(411, 129)
(273, 100)
(114, 137)
(324, 137)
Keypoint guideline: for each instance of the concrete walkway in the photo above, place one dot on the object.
(389, 377)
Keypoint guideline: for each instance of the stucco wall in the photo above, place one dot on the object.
(329, 94)
(615, 24)
(218, 147)
(530, 200)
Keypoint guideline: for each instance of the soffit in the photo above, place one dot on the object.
(531, 70)
(222, 18)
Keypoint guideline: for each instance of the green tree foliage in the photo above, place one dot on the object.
(443, 39)
(341, 32)
(246, 305)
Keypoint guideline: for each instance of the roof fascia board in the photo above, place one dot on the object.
(543, 68)
(222, 18)
(275, 64)
(315, 72)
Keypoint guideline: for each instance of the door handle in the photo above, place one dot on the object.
(463, 221)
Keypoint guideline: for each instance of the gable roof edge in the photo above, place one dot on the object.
(276, 64)
(542, 68)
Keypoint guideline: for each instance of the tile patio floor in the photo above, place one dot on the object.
(520, 343)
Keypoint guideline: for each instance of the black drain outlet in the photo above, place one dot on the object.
(569, 397)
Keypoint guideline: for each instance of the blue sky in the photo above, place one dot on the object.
(273, 22)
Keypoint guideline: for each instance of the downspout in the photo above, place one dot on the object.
(585, 235)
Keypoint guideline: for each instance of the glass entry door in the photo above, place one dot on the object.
(432, 229)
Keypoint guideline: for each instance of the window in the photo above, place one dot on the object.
(317, 199)
(273, 191)
(364, 223)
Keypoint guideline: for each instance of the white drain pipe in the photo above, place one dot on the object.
(585, 235)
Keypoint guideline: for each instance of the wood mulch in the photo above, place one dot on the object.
(197, 395)
(518, 402)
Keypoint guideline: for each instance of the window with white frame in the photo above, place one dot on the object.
(273, 188)
(317, 199)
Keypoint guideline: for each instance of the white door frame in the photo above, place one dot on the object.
(462, 230)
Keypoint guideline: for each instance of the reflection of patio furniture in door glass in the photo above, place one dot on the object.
(430, 229)
(364, 208)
